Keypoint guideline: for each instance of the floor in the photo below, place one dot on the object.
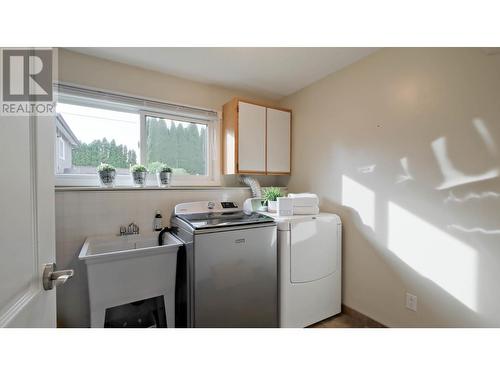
(343, 320)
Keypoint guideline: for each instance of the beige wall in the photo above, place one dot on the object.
(108, 75)
(404, 145)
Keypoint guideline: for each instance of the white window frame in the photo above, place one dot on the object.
(213, 172)
(213, 177)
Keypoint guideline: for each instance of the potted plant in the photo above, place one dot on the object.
(107, 174)
(271, 194)
(164, 175)
(139, 173)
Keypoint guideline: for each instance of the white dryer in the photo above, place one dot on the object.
(310, 260)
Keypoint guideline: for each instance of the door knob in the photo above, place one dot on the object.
(51, 277)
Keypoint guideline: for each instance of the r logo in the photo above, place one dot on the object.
(27, 75)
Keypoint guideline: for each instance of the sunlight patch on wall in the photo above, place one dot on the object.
(359, 198)
(434, 254)
(452, 176)
(474, 229)
(471, 196)
(406, 176)
(485, 135)
(367, 168)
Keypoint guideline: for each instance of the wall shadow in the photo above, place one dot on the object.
(466, 214)
(429, 314)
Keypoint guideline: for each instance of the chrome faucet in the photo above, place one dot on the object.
(132, 228)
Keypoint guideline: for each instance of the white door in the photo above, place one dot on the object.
(26, 221)
(278, 141)
(251, 138)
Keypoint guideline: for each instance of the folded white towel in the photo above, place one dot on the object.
(301, 195)
(304, 202)
(304, 199)
(312, 210)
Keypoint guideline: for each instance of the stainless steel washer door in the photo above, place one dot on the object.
(236, 281)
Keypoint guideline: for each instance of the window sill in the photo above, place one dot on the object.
(91, 181)
(132, 188)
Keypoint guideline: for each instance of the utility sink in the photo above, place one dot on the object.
(106, 248)
(128, 270)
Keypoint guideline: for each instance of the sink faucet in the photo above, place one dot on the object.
(132, 228)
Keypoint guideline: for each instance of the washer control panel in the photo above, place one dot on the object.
(206, 206)
(226, 205)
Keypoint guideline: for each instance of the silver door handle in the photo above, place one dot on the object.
(52, 278)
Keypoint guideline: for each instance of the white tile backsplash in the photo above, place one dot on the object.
(80, 214)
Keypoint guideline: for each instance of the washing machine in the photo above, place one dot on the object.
(310, 259)
(228, 273)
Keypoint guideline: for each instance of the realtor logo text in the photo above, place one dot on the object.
(26, 82)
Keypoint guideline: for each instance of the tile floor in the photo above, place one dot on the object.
(343, 320)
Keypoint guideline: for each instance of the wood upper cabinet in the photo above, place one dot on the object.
(278, 141)
(251, 138)
(255, 139)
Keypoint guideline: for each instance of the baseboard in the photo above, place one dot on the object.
(366, 321)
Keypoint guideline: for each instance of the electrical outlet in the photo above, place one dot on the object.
(411, 302)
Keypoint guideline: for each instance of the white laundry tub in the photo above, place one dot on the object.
(127, 269)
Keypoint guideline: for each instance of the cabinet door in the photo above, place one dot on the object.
(251, 138)
(278, 141)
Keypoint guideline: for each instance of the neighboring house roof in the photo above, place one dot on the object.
(66, 131)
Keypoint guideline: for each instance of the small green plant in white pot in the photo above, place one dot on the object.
(271, 195)
(107, 175)
(163, 173)
(139, 174)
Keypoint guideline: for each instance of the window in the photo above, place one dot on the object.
(92, 131)
(183, 145)
(104, 136)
